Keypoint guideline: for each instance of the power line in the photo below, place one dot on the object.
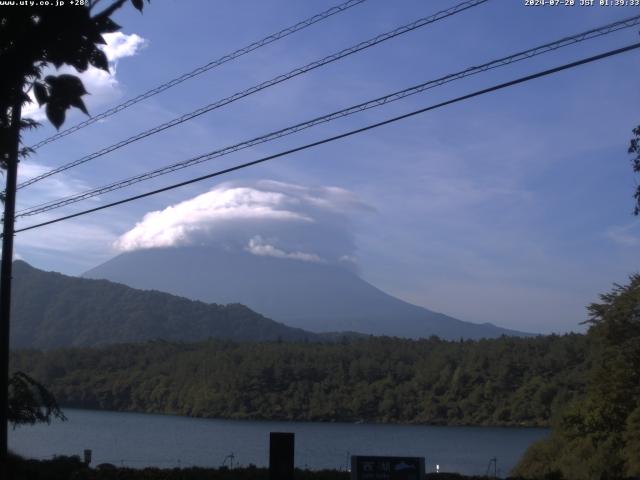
(332, 116)
(552, 46)
(269, 83)
(204, 68)
(345, 135)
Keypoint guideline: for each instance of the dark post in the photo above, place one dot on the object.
(281, 449)
(5, 275)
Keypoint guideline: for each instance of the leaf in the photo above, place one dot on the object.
(25, 152)
(99, 60)
(106, 25)
(40, 92)
(80, 62)
(56, 114)
(138, 4)
(93, 34)
(99, 39)
(24, 97)
(30, 402)
(78, 103)
(28, 124)
(65, 86)
(51, 80)
(65, 91)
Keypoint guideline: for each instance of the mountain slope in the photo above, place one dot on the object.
(52, 310)
(313, 296)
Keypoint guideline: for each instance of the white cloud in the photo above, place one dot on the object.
(265, 218)
(625, 235)
(348, 259)
(77, 237)
(102, 86)
(258, 246)
(120, 45)
(54, 187)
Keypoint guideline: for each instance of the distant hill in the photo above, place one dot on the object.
(314, 296)
(52, 310)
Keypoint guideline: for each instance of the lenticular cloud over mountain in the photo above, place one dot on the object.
(286, 251)
(265, 218)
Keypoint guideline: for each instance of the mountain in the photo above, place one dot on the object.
(314, 296)
(51, 310)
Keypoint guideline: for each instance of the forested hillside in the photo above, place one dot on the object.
(51, 310)
(598, 435)
(506, 381)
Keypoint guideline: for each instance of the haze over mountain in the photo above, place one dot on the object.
(51, 310)
(311, 295)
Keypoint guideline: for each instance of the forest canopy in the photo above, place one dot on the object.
(506, 381)
(598, 434)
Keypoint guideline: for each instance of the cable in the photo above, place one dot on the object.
(326, 60)
(344, 135)
(257, 88)
(348, 111)
(552, 46)
(204, 68)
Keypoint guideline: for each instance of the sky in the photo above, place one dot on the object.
(513, 208)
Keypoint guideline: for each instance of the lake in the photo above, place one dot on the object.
(139, 440)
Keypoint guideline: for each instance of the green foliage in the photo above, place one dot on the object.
(634, 147)
(631, 439)
(506, 381)
(34, 36)
(30, 402)
(72, 468)
(61, 93)
(598, 436)
(52, 310)
(540, 459)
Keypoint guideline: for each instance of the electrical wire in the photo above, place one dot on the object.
(257, 88)
(523, 55)
(204, 68)
(477, 93)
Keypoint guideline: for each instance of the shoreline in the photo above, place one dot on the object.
(73, 467)
(64, 407)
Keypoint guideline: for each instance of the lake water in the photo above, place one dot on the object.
(139, 440)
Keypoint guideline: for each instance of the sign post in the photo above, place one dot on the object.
(87, 457)
(281, 455)
(386, 468)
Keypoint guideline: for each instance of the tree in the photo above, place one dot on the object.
(599, 436)
(31, 39)
(634, 147)
(30, 402)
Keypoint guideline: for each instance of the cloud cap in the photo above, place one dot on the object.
(265, 218)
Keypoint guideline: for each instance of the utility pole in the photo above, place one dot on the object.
(6, 270)
(30, 36)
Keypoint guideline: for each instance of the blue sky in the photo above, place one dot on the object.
(513, 208)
